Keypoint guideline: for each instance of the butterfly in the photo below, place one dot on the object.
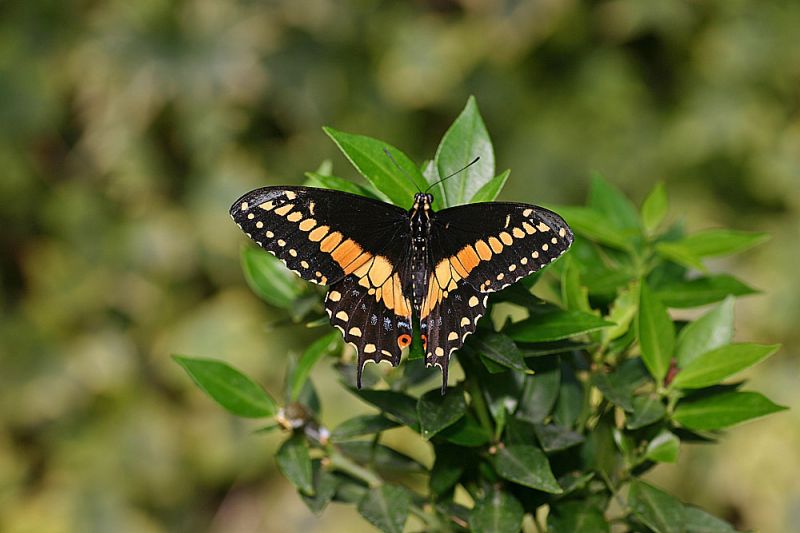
(386, 266)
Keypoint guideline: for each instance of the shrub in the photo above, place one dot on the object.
(567, 398)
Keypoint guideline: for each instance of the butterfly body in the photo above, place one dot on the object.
(386, 267)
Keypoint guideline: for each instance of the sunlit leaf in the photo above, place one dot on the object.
(712, 367)
(269, 279)
(593, 225)
(656, 333)
(500, 349)
(489, 192)
(712, 330)
(361, 425)
(341, 184)
(701, 291)
(555, 326)
(657, 509)
(715, 242)
(646, 410)
(228, 387)
(466, 139)
(663, 448)
(318, 349)
(723, 410)
(370, 159)
(615, 206)
(654, 208)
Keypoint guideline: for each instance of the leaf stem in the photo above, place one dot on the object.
(479, 404)
(348, 466)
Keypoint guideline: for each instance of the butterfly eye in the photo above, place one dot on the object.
(404, 340)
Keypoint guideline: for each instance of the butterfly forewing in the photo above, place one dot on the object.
(356, 245)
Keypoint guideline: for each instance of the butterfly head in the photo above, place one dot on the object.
(423, 200)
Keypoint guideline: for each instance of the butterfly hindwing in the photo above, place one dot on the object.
(321, 235)
(493, 245)
(376, 320)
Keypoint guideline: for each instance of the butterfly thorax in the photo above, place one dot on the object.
(419, 218)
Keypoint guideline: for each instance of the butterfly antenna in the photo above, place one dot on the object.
(465, 167)
(389, 154)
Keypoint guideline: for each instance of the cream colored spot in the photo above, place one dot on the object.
(334, 296)
(512, 268)
(500, 276)
(244, 206)
(506, 238)
(386, 352)
(269, 234)
(527, 212)
(250, 216)
(370, 348)
(439, 351)
(545, 247)
(535, 254)
(530, 230)
(304, 264)
(281, 242)
(293, 252)
(267, 206)
(464, 322)
(496, 245)
(508, 220)
(562, 232)
(282, 211)
(554, 240)
(355, 332)
(307, 224)
(259, 224)
(290, 195)
(318, 273)
(323, 280)
(518, 233)
(541, 226)
(524, 261)
(341, 315)
(318, 233)
(473, 301)
(295, 216)
(453, 336)
(371, 291)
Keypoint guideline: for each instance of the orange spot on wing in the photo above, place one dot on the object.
(330, 242)
(404, 340)
(468, 259)
(346, 252)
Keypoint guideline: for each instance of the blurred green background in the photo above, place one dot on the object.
(127, 129)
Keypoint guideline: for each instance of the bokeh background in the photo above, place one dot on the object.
(127, 128)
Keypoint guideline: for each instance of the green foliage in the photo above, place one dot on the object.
(565, 406)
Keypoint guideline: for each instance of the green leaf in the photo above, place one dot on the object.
(541, 390)
(678, 254)
(361, 425)
(712, 330)
(436, 412)
(382, 457)
(723, 410)
(576, 517)
(295, 463)
(656, 333)
(228, 387)
(397, 405)
(318, 349)
(386, 507)
(466, 432)
(269, 279)
(646, 410)
(447, 469)
(618, 386)
(554, 438)
(623, 311)
(615, 206)
(712, 367)
(466, 139)
(526, 465)
(500, 349)
(489, 192)
(701, 291)
(663, 448)
(498, 512)
(657, 509)
(555, 326)
(325, 484)
(593, 225)
(368, 156)
(717, 242)
(571, 398)
(574, 296)
(340, 184)
(654, 208)
(698, 521)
